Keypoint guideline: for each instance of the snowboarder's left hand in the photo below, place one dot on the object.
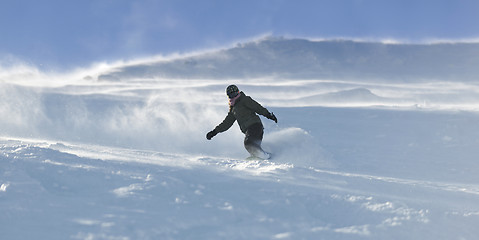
(272, 117)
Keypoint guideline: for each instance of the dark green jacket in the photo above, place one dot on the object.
(244, 111)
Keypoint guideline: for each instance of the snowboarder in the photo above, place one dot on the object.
(244, 109)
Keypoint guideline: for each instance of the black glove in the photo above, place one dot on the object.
(272, 117)
(211, 134)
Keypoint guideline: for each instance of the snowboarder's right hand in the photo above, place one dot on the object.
(211, 134)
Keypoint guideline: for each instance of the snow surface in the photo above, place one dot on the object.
(353, 159)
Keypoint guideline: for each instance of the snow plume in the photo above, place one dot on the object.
(165, 126)
(296, 145)
(162, 115)
(20, 109)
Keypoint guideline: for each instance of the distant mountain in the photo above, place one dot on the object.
(306, 59)
(352, 95)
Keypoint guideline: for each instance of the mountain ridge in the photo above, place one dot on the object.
(307, 59)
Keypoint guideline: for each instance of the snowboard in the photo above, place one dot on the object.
(254, 158)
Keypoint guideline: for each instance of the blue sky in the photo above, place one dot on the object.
(72, 33)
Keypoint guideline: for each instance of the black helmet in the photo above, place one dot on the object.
(232, 91)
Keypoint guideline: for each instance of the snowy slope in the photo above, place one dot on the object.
(88, 159)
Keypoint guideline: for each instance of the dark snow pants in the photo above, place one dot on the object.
(253, 138)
